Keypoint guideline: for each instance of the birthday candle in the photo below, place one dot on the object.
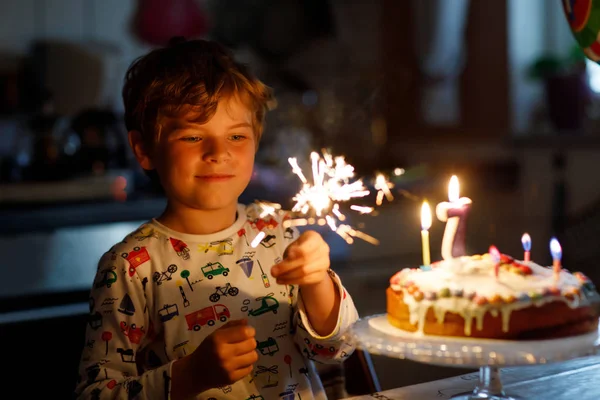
(556, 251)
(496, 258)
(526, 241)
(454, 213)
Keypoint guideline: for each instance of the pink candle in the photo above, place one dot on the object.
(526, 240)
(496, 258)
(556, 251)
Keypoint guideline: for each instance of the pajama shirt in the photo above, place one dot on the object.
(159, 293)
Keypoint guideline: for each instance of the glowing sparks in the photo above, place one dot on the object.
(268, 209)
(383, 187)
(331, 184)
(261, 235)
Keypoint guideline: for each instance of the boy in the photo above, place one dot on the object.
(185, 306)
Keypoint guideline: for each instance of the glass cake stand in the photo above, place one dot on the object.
(376, 335)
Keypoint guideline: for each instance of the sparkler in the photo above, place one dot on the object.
(318, 202)
(332, 183)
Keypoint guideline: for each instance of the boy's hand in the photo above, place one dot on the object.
(306, 261)
(226, 355)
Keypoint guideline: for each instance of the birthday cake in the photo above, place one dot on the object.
(492, 296)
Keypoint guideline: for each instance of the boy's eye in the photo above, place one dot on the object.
(238, 137)
(191, 139)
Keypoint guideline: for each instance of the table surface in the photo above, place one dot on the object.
(574, 379)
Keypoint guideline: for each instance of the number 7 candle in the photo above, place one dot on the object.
(454, 214)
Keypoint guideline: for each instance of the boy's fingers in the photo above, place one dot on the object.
(305, 269)
(237, 333)
(246, 346)
(313, 277)
(291, 264)
(246, 360)
(308, 242)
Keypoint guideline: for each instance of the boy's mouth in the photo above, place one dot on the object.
(214, 177)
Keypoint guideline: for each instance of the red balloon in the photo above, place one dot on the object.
(157, 21)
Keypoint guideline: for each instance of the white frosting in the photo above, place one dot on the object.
(472, 284)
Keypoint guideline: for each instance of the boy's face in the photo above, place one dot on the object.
(207, 166)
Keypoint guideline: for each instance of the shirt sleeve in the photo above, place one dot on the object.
(329, 349)
(117, 330)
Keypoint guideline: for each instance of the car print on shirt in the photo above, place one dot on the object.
(207, 316)
(134, 333)
(268, 303)
(221, 247)
(168, 312)
(211, 270)
(267, 347)
(268, 241)
(137, 257)
(319, 350)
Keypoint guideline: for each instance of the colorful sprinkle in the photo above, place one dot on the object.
(480, 300)
(526, 270)
(535, 295)
(445, 292)
(496, 299)
(457, 292)
(552, 291)
(470, 295)
(523, 297)
(418, 295)
(509, 299)
(430, 296)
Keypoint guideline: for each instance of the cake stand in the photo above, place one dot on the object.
(376, 335)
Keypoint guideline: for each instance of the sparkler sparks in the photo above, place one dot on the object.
(332, 184)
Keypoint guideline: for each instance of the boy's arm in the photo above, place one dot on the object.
(322, 305)
(329, 347)
(118, 324)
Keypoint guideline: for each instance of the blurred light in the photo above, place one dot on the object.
(310, 98)
(593, 75)
(399, 171)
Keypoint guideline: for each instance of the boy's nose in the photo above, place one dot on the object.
(215, 150)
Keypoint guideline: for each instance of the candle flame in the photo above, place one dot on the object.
(555, 249)
(495, 253)
(453, 189)
(526, 241)
(425, 216)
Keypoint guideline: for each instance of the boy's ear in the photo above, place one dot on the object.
(139, 150)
